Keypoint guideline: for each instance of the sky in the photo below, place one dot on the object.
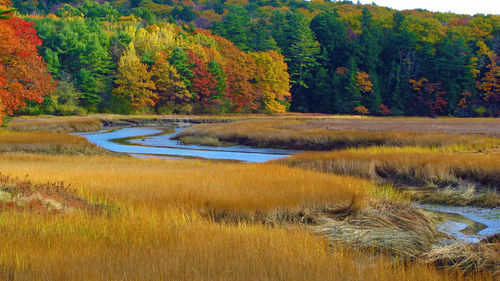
(470, 7)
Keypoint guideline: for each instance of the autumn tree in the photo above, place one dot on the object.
(170, 88)
(204, 84)
(239, 68)
(272, 81)
(23, 73)
(489, 86)
(133, 81)
(429, 98)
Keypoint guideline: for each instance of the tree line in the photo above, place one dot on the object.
(338, 57)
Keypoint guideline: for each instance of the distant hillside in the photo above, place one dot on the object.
(341, 57)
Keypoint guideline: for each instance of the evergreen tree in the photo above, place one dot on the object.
(180, 60)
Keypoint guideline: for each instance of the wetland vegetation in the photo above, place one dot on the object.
(312, 216)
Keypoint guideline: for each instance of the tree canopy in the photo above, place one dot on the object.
(220, 56)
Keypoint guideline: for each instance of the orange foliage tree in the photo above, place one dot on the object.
(363, 82)
(204, 83)
(239, 68)
(489, 86)
(23, 75)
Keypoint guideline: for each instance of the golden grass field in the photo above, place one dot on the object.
(304, 134)
(159, 229)
(122, 218)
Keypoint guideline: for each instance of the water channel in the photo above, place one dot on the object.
(154, 143)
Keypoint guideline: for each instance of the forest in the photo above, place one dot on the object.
(215, 57)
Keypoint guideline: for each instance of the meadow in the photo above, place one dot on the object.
(101, 216)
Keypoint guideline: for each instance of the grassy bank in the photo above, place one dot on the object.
(227, 189)
(456, 178)
(46, 142)
(55, 124)
(304, 135)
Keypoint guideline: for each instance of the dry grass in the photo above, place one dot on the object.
(46, 142)
(171, 246)
(298, 134)
(389, 227)
(22, 195)
(211, 188)
(482, 256)
(161, 230)
(55, 124)
(468, 178)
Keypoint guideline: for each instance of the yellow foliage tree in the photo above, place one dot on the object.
(169, 85)
(272, 80)
(134, 81)
(363, 82)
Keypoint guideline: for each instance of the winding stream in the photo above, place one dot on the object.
(470, 224)
(156, 144)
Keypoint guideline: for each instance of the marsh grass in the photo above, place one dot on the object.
(296, 134)
(438, 177)
(198, 220)
(204, 220)
(216, 189)
(174, 246)
(46, 142)
(55, 124)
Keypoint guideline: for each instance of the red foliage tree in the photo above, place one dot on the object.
(23, 75)
(204, 83)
